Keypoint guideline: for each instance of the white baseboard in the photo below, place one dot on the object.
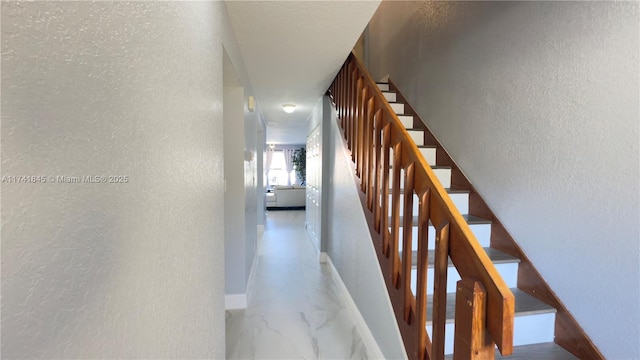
(373, 350)
(323, 257)
(240, 301)
(252, 272)
(235, 301)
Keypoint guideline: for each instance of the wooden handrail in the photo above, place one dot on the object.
(382, 151)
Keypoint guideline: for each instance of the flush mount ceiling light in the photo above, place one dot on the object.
(288, 108)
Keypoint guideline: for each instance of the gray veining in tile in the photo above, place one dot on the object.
(294, 309)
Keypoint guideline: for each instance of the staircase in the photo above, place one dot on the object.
(460, 286)
(534, 322)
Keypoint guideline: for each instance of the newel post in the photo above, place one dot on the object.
(472, 340)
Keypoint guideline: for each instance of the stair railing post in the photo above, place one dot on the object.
(472, 340)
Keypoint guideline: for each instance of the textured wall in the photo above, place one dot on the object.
(538, 103)
(351, 250)
(235, 232)
(130, 270)
(250, 188)
(314, 202)
(241, 195)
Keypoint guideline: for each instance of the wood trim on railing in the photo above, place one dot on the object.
(373, 131)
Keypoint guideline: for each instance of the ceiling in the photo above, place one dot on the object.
(292, 50)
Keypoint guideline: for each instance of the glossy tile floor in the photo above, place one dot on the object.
(294, 310)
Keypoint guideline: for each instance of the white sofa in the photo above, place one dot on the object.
(287, 196)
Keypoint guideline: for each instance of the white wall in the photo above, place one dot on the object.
(261, 140)
(131, 270)
(314, 203)
(250, 187)
(538, 103)
(242, 206)
(350, 247)
(235, 231)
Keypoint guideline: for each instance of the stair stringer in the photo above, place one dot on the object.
(568, 332)
(352, 250)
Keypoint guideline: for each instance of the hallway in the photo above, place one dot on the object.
(295, 310)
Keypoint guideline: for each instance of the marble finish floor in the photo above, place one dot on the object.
(294, 308)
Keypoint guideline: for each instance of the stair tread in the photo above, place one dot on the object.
(473, 219)
(525, 305)
(457, 191)
(470, 219)
(547, 351)
(496, 256)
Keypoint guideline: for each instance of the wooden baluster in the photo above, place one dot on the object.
(423, 265)
(407, 230)
(384, 206)
(472, 340)
(440, 290)
(354, 122)
(377, 163)
(353, 88)
(395, 214)
(343, 96)
(369, 150)
(337, 92)
(359, 140)
(345, 99)
(366, 139)
(341, 88)
(347, 104)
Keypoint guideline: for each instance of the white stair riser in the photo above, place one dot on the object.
(531, 329)
(390, 96)
(383, 87)
(398, 108)
(417, 136)
(481, 231)
(443, 175)
(461, 201)
(429, 155)
(406, 120)
(508, 271)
